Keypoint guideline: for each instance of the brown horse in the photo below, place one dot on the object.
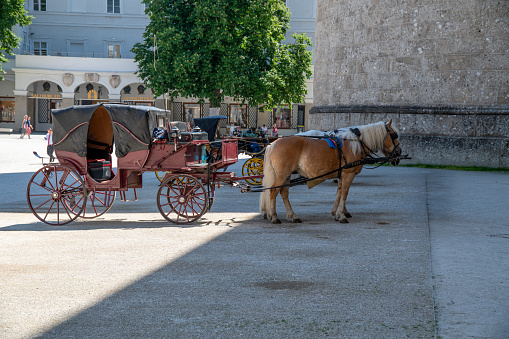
(312, 158)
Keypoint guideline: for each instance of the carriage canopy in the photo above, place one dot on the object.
(209, 125)
(78, 127)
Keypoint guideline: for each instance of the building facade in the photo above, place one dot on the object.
(79, 52)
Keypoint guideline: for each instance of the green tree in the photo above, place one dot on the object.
(12, 12)
(210, 49)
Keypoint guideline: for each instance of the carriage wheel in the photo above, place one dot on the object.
(55, 194)
(182, 199)
(253, 166)
(98, 203)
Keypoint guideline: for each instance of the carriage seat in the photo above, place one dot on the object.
(98, 150)
(100, 169)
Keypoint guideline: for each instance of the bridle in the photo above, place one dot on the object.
(395, 141)
(393, 158)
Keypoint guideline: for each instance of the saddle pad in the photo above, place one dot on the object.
(332, 144)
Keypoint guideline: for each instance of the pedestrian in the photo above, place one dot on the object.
(49, 149)
(23, 125)
(274, 131)
(28, 127)
(264, 130)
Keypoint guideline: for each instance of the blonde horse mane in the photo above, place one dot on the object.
(372, 135)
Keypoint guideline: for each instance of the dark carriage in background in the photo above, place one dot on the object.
(84, 183)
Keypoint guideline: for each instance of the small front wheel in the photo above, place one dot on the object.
(253, 166)
(182, 199)
(56, 194)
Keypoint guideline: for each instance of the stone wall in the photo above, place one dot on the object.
(438, 135)
(440, 68)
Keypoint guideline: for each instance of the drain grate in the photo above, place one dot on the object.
(285, 285)
(499, 236)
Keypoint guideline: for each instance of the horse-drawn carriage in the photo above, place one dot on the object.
(84, 184)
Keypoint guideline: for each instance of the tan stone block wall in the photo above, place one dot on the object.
(453, 52)
(438, 68)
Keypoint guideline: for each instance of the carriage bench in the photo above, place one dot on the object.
(6, 130)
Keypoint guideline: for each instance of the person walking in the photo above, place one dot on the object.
(28, 127)
(49, 149)
(23, 125)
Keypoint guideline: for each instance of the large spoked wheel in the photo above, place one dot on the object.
(98, 203)
(253, 166)
(182, 199)
(56, 194)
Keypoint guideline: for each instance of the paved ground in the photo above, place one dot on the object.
(424, 247)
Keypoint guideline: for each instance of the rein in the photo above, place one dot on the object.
(368, 160)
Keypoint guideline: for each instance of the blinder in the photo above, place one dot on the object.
(357, 132)
(391, 132)
(395, 151)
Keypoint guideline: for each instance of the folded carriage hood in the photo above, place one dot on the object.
(132, 127)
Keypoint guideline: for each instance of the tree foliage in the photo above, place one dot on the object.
(12, 12)
(210, 49)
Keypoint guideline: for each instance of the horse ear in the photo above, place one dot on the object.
(389, 123)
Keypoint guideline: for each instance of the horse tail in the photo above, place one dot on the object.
(269, 177)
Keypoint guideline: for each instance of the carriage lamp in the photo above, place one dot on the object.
(175, 133)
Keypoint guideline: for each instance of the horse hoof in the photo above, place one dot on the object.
(348, 215)
(276, 221)
(343, 221)
(297, 221)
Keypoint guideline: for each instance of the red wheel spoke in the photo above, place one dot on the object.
(51, 206)
(58, 200)
(48, 180)
(65, 209)
(182, 198)
(100, 202)
(44, 203)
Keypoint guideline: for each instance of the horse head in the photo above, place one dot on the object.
(392, 147)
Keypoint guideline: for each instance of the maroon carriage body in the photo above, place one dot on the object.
(84, 181)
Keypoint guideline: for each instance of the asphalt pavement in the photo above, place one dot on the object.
(425, 255)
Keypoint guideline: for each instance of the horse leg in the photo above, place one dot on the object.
(271, 211)
(338, 195)
(342, 213)
(290, 214)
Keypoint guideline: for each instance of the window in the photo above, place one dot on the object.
(283, 117)
(191, 111)
(40, 5)
(113, 51)
(113, 6)
(238, 115)
(40, 48)
(7, 109)
(26, 43)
